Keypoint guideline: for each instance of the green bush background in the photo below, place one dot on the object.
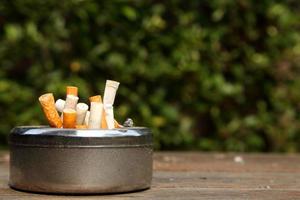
(210, 75)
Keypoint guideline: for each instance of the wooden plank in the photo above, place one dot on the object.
(218, 162)
(179, 175)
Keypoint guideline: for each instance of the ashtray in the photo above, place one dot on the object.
(80, 161)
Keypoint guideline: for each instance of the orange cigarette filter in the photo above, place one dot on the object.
(103, 120)
(83, 126)
(96, 98)
(48, 106)
(72, 90)
(69, 118)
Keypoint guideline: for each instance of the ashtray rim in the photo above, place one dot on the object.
(45, 136)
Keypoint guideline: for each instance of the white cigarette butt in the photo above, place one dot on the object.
(71, 102)
(95, 115)
(87, 117)
(81, 110)
(59, 105)
(110, 91)
(109, 116)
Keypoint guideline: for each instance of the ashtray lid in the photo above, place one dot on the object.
(44, 136)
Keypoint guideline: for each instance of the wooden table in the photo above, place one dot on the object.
(193, 175)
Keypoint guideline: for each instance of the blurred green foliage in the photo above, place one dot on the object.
(209, 75)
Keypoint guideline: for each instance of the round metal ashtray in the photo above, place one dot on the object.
(52, 160)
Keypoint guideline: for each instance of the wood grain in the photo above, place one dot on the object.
(193, 175)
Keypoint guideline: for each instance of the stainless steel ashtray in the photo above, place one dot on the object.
(52, 160)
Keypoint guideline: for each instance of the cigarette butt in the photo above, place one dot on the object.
(81, 110)
(95, 115)
(109, 116)
(117, 125)
(71, 102)
(59, 105)
(96, 98)
(72, 90)
(48, 106)
(103, 120)
(110, 91)
(87, 117)
(81, 126)
(69, 118)
(104, 123)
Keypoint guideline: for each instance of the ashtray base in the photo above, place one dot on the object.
(80, 168)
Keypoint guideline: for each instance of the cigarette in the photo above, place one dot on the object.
(103, 120)
(110, 91)
(69, 118)
(72, 90)
(72, 98)
(109, 116)
(95, 115)
(48, 105)
(104, 123)
(81, 110)
(87, 117)
(82, 126)
(117, 125)
(96, 98)
(59, 105)
(71, 102)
